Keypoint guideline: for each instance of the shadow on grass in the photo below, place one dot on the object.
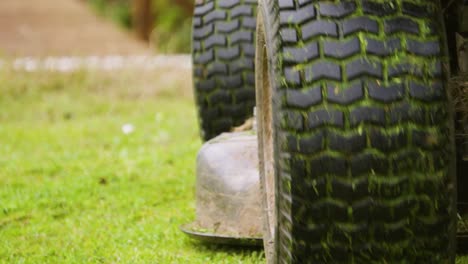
(210, 248)
(248, 251)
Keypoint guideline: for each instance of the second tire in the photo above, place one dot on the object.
(223, 61)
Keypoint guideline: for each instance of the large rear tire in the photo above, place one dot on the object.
(223, 63)
(354, 115)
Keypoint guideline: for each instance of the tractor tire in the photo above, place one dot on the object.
(356, 137)
(223, 63)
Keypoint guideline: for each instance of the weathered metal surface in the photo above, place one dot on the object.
(462, 52)
(216, 238)
(227, 190)
(463, 16)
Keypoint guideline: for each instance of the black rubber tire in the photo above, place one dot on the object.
(223, 63)
(363, 131)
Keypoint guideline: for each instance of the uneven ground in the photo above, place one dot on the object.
(65, 27)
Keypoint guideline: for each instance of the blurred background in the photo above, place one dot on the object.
(166, 24)
(94, 27)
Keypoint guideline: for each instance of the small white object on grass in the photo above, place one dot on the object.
(158, 117)
(128, 129)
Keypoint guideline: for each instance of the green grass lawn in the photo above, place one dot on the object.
(75, 189)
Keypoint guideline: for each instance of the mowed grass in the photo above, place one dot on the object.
(75, 189)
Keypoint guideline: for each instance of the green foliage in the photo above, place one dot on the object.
(177, 40)
(172, 27)
(172, 22)
(117, 10)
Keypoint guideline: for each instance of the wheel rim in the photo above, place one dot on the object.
(268, 156)
(266, 141)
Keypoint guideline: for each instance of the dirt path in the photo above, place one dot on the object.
(42, 28)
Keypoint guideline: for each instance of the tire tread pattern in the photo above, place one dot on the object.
(223, 56)
(365, 138)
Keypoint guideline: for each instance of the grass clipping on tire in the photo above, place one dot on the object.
(459, 89)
